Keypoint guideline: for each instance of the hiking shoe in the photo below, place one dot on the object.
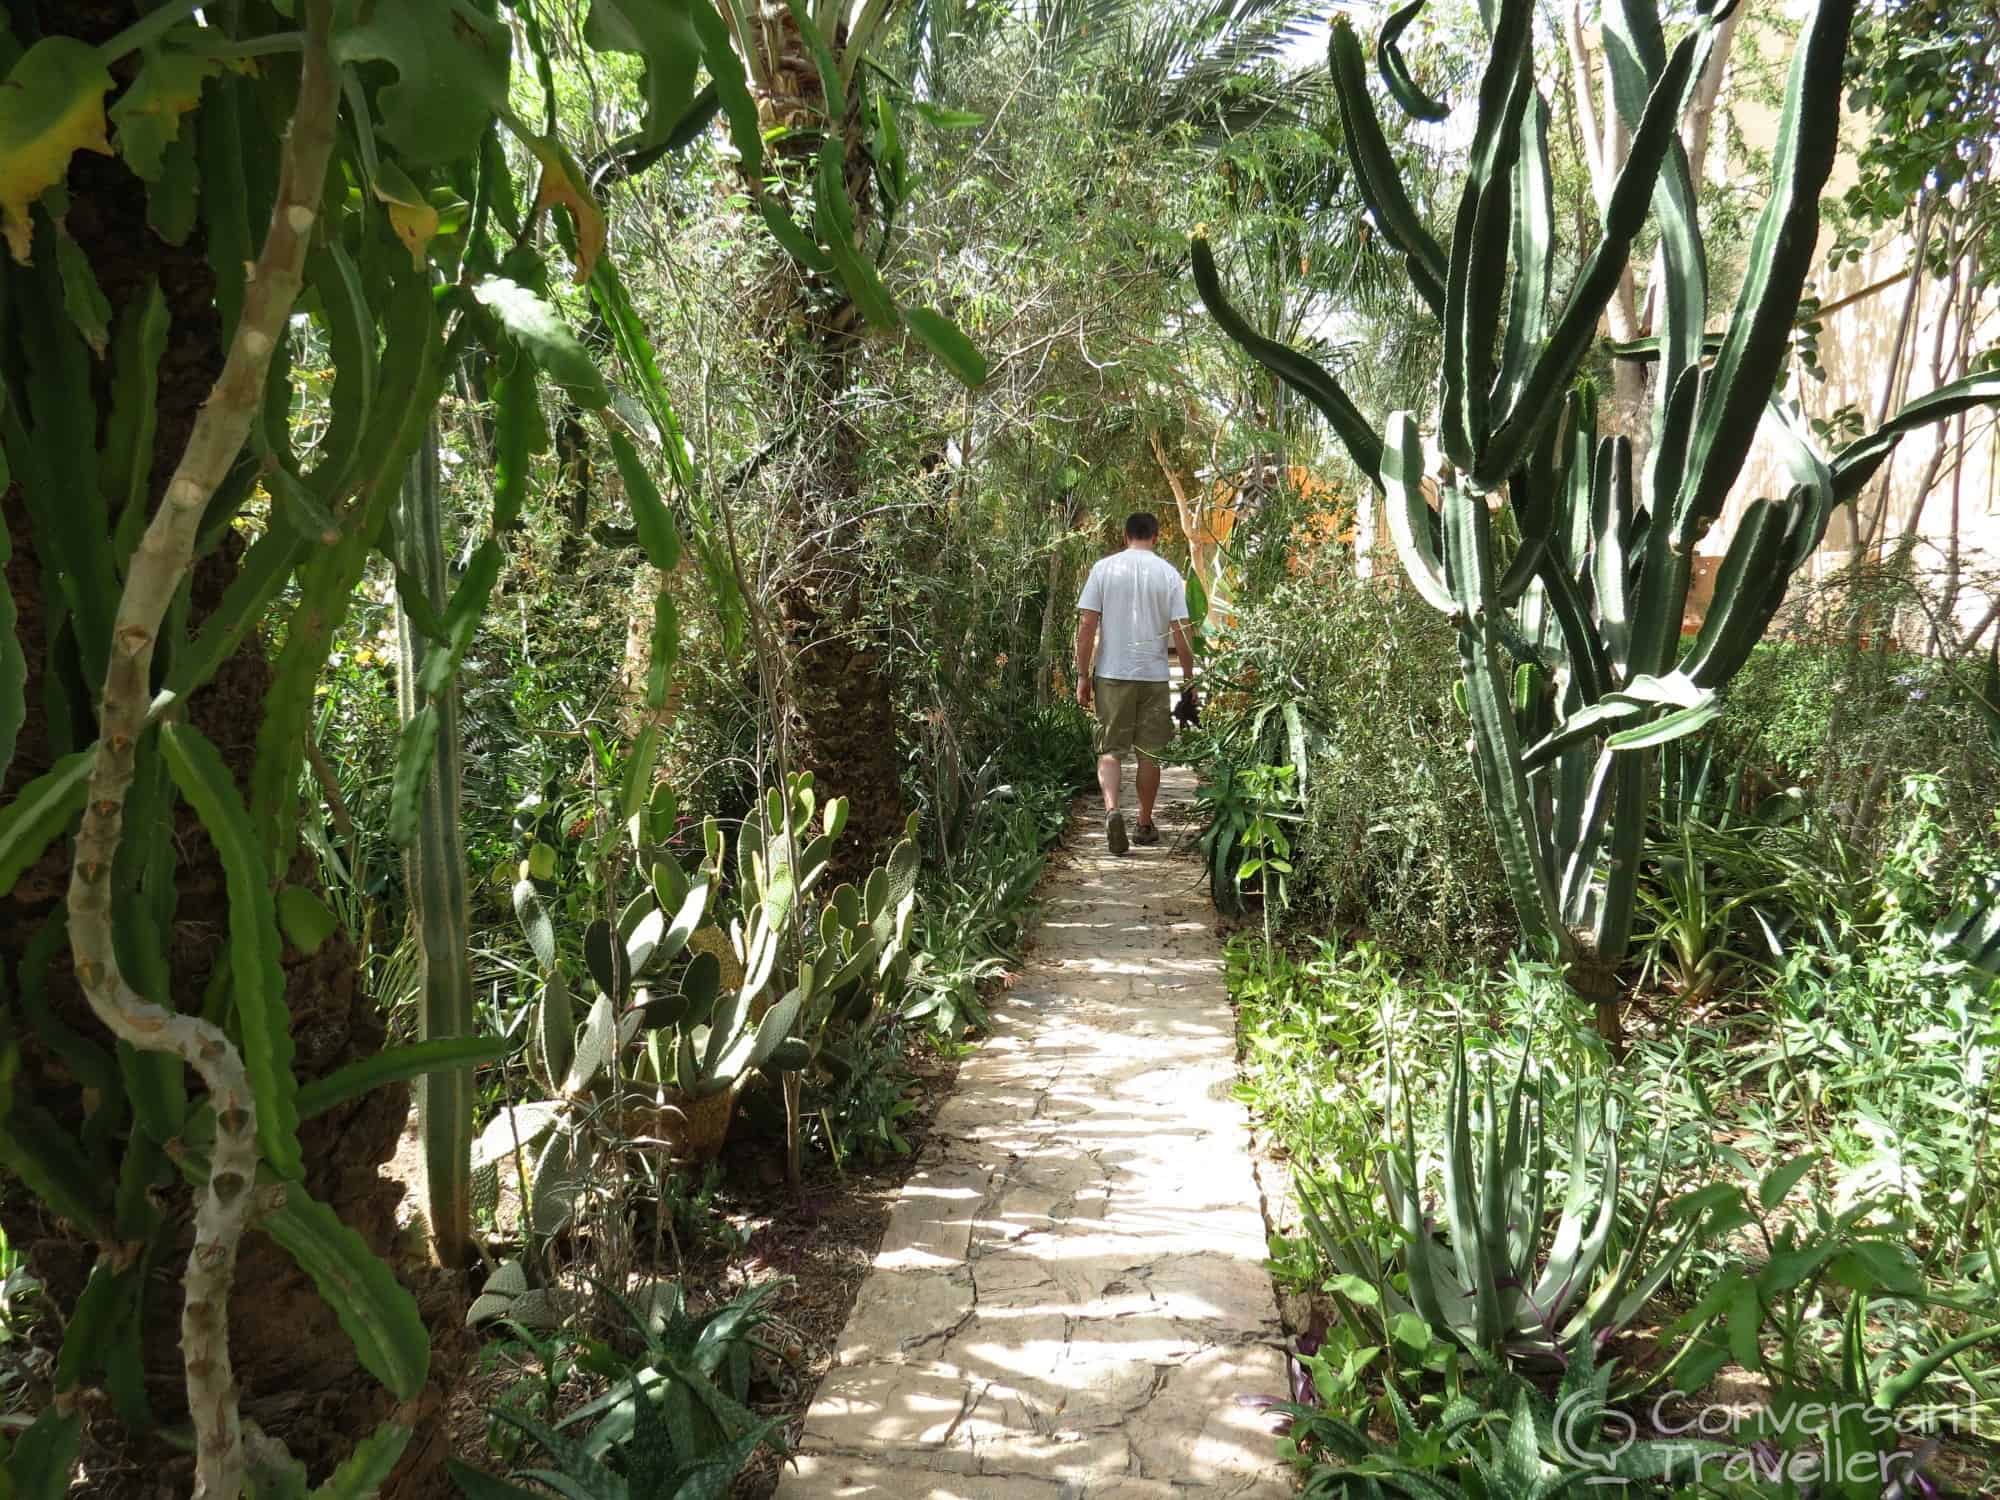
(1145, 833)
(1114, 832)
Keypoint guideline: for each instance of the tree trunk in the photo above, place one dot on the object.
(1193, 524)
(1606, 140)
(841, 721)
(844, 726)
(299, 1376)
(1052, 657)
(1601, 130)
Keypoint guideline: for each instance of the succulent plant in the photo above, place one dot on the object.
(703, 1010)
(1508, 1277)
(427, 812)
(1569, 637)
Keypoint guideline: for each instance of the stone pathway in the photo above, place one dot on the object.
(1071, 1295)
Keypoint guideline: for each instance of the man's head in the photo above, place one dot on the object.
(1142, 529)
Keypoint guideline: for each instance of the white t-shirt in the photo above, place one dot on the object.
(1137, 595)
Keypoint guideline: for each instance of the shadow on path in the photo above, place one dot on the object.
(1071, 1296)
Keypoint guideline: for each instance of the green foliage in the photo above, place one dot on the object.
(457, 274)
(972, 912)
(1519, 1276)
(1835, 1103)
(1360, 677)
(860, 1112)
(42, 1458)
(256, 977)
(1594, 588)
(1845, 711)
(1500, 1437)
(1715, 901)
(375, 1311)
(672, 1424)
(1271, 795)
(1225, 809)
(424, 812)
(702, 1013)
(1928, 78)
(276, 1476)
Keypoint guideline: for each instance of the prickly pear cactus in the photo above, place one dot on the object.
(713, 941)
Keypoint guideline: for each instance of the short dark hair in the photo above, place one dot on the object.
(1142, 526)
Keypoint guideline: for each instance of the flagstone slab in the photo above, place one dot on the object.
(1070, 1300)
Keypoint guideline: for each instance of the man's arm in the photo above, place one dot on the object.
(1184, 649)
(1086, 648)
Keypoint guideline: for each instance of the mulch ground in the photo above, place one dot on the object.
(816, 1241)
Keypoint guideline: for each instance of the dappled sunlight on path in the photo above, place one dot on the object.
(1070, 1296)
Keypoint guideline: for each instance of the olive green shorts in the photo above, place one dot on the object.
(1132, 716)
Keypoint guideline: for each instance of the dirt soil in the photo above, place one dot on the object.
(817, 1241)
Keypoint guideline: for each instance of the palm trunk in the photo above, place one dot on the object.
(1049, 656)
(841, 705)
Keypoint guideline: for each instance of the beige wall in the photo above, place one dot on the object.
(1856, 347)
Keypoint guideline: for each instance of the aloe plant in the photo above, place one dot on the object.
(1512, 1277)
(1569, 634)
(1534, 1448)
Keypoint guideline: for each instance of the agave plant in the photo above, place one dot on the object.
(1569, 637)
(1511, 1278)
(1535, 1448)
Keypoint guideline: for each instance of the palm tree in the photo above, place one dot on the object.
(819, 70)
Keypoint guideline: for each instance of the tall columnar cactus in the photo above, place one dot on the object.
(1569, 635)
(427, 797)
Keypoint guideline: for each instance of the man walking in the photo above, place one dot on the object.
(1133, 604)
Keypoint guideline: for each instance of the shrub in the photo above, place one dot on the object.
(1394, 841)
(1846, 710)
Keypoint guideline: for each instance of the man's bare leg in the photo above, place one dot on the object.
(1149, 787)
(1109, 771)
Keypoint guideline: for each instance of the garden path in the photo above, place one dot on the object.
(1070, 1297)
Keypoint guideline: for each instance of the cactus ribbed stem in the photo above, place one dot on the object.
(436, 864)
(1592, 591)
(157, 567)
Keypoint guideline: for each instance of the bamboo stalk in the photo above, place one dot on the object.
(159, 563)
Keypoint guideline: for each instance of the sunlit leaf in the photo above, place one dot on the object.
(51, 106)
(547, 339)
(148, 114)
